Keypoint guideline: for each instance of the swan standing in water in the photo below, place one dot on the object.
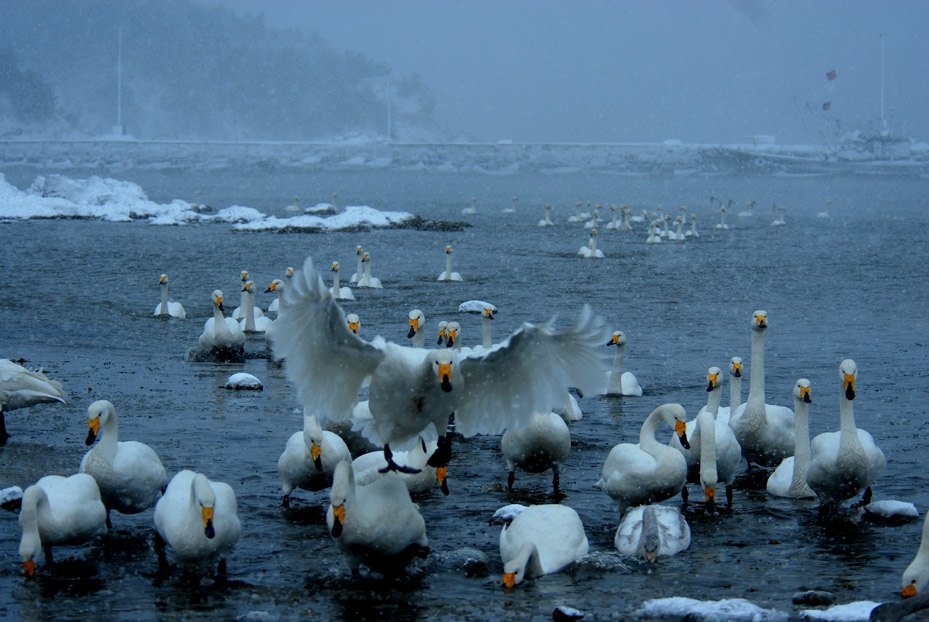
(310, 458)
(375, 525)
(544, 443)
(276, 303)
(129, 474)
(620, 382)
(220, 333)
(417, 329)
(789, 478)
(367, 280)
(765, 432)
(359, 270)
(447, 274)
(916, 575)
(722, 219)
(58, 511)
(547, 221)
(166, 308)
(539, 540)
(647, 472)
(591, 249)
(650, 531)
(844, 464)
(21, 388)
(338, 292)
(252, 323)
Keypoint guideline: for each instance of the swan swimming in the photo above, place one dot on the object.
(222, 334)
(338, 292)
(591, 250)
(166, 308)
(471, 209)
(512, 208)
(447, 274)
(693, 227)
(252, 323)
(240, 312)
(547, 221)
(367, 280)
(359, 270)
(722, 219)
(276, 303)
(654, 236)
(620, 382)
(540, 540)
(542, 444)
(310, 458)
(789, 478)
(21, 388)
(651, 531)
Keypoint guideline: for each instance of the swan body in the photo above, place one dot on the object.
(338, 292)
(578, 217)
(789, 478)
(58, 511)
(471, 209)
(372, 466)
(279, 289)
(722, 219)
(376, 525)
(447, 274)
(654, 236)
(542, 444)
(570, 411)
(779, 217)
(916, 575)
(512, 208)
(693, 227)
(417, 328)
(221, 333)
(541, 540)
(620, 382)
(252, 323)
(677, 235)
(765, 432)
(844, 464)
(591, 250)
(21, 388)
(624, 224)
(310, 458)
(647, 472)
(241, 312)
(651, 531)
(198, 518)
(359, 270)
(547, 221)
(166, 308)
(129, 474)
(367, 280)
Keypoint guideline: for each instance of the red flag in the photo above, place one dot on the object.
(827, 105)
(830, 75)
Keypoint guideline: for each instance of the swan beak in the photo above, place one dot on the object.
(353, 326)
(93, 429)
(335, 267)
(414, 327)
(710, 495)
(441, 337)
(219, 303)
(451, 339)
(908, 592)
(681, 430)
(338, 516)
(441, 474)
(316, 451)
(489, 314)
(207, 514)
(651, 556)
(737, 370)
(448, 250)
(164, 279)
(711, 382)
(271, 288)
(849, 386)
(805, 395)
(29, 569)
(761, 321)
(509, 580)
(445, 375)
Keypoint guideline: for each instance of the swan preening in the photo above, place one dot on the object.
(620, 382)
(541, 445)
(129, 474)
(789, 478)
(21, 388)
(339, 292)
(58, 511)
(447, 274)
(222, 334)
(310, 458)
(166, 308)
(539, 540)
(651, 531)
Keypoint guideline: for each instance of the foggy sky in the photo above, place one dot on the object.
(628, 71)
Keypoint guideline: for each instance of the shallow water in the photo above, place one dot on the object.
(78, 300)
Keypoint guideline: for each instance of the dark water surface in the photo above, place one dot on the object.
(78, 298)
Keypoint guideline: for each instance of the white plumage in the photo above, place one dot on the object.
(916, 575)
(590, 250)
(540, 540)
(447, 274)
(339, 292)
(789, 478)
(367, 280)
(166, 307)
(310, 458)
(252, 323)
(541, 445)
(651, 531)
(219, 332)
(21, 388)
(620, 382)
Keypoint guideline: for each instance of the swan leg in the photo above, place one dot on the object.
(393, 466)
(510, 479)
(685, 495)
(729, 495)
(3, 433)
(48, 555)
(285, 502)
(556, 479)
(221, 568)
(865, 498)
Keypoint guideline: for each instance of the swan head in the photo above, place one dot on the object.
(335, 266)
(274, 285)
(442, 361)
(247, 288)
(452, 334)
(366, 258)
(313, 437)
(488, 312)
(448, 250)
(548, 206)
(206, 499)
(417, 321)
(30, 546)
(759, 320)
(353, 322)
(676, 417)
(243, 275)
(848, 371)
(735, 367)
(163, 279)
(802, 391)
(713, 380)
(618, 339)
(343, 482)
(358, 250)
(289, 272)
(217, 297)
(97, 414)
(443, 329)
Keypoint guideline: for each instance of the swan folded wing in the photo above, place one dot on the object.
(529, 373)
(326, 360)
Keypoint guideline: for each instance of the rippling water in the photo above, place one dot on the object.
(78, 298)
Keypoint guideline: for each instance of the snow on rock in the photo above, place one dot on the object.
(851, 612)
(729, 610)
(352, 217)
(243, 381)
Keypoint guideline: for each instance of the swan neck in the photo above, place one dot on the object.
(218, 316)
(756, 383)
(735, 392)
(846, 416)
(487, 341)
(647, 433)
(527, 560)
(707, 425)
(448, 266)
(109, 438)
(335, 282)
(164, 299)
(248, 301)
(619, 357)
(713, 399)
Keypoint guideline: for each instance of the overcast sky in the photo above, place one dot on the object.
(644, 70)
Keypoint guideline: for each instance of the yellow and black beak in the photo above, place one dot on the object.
(450, 341)
(613, 340)
(93, 430)
(219, 303)
(441, 475)
(445, 377)
(681, 430)
(737, 370)
(850, 386)
(710, 495)
(489, 314)
(207, 515)
(316, 451)
(29, 569)
(509, 580)
(805, 395)
(448, 250)
(271, 288)
(908, 592)
(338, 520)
(353, 326)
(761, 321)
(163, 278)
(711, 381)
(414, 327)
(441, 337)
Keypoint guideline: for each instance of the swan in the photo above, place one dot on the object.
(471, 209)
(367, 280)
(512, 208)
(372, 466)
(487, 316)
(586, 212)
(749, 210)
(129, 474)
(765, 432)
(413, 391)
(443, 332)
(620, 382)
(677, 235)
(779, 217)
(540, 540)
(376, 525)
(240, 312)
(166, 308)
(614, 220)
(916, 574)
(595, 220)
(447, 274)
(650, 531)
(353, 322)
(222, 333)
(417, 329)
(789, 478)
(547, 221)
(624, 225)
(654, 237)
(666, 233)
(735, 390)
(577, 214)
(693, 227)
(339, 293)
(570, 411)
(310, 458)
(252, 323)
(591, 249)
(58, 511)
(197, 518)
(276, 303)
(643, 217)
(722, 219)
(359, 270)
(542, 444)
(825, 212)
(21, 388)
(844, 464)
(647, 472)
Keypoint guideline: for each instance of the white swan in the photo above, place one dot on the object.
(916, 575)
(693, 227)
(722, 219)
(372, 466)
(844, 464)
(540, 540)
(21, 388)
(414, 391)
(678, 234)
(654, 237)
(376, 525)
(487, 316)
(166, 308)
(512, 208)
(58, 511)
(447, 274)
(471, 209)
(825, 212)
(614, 219)
(221, 333)
(359, 270)
(647, 472)
(591, 250)
(417, 329)
(570, 411)
(666, 233)
(240, 312)
(650, 531)
(197, 518)
(547, 221)
(624, 225)
(765, 432)
(541, 445)
(577, 214)
(367, 280)
(353, 322)
(310, 458)
(129, 474)
(443, 332)
(595, 220)
(276, 303)
(779, 217)
(620, 382)
(338, 292)
(643, 217)
(749, 210)
(735, 390)
(789, 478)
(252, 323)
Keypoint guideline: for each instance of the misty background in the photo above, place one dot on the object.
(521, 70)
